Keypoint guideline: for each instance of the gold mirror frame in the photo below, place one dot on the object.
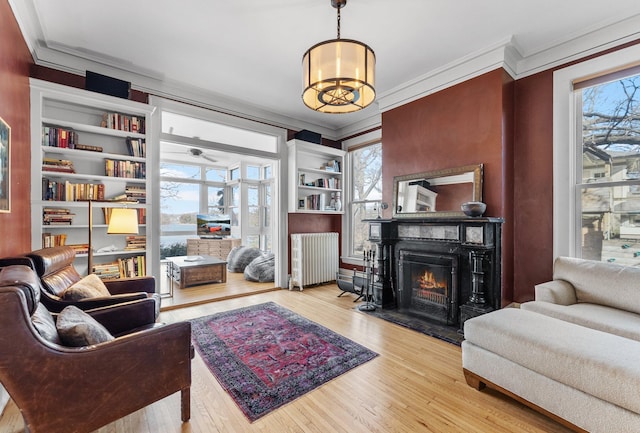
(474, 171)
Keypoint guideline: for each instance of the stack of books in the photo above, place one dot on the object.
(136, 147)
(136, 193)
(56, 216)
(123, 122)
(107, 271)
(136, 242)
(80, 248)
(57, 165)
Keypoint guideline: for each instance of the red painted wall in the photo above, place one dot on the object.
(15, 61)
(466, 124)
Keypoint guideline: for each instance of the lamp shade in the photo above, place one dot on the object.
(123, 222)
(338, 76)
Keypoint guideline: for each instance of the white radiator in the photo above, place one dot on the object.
(314, 258)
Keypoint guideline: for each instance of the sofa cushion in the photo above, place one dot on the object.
(239, 257)
(90, 286)
(77, 328)
(600, 317)
(601, 283)
(261, 269)
(600, 364)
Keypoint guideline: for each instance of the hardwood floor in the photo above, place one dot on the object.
(415, 385)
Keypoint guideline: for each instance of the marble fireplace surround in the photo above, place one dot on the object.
(472, 244)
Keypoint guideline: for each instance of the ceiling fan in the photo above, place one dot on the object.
(195, 152)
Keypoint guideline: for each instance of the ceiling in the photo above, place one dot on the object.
(245, 55)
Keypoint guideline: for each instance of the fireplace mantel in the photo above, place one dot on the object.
(475, 243)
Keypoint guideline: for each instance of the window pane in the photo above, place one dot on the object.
(610, 128)
(360, 229)
(254, 216)
(215, 196)
(235, 196)
(253, 241)
(234, 174)
(366, 164)
(252, 196)
(179, 206)
(216, 174)
(611, 131)
(267, 172)
(179, 170)
(253, 172)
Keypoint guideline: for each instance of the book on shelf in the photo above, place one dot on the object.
(50, 240)
(123, 122)
(142, 215)
(88, 147)
(80, 248)
(136, 147)
(58, 165)
(126, 169)
(57, 216)
(136, 242)
(136, 193)
(132, 266)
(55, 190)
(53, 136)
(107, 271)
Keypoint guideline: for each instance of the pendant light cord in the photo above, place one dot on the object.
(339, 21)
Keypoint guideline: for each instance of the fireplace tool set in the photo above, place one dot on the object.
(369, 260)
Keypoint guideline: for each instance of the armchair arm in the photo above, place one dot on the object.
(559, 292)
(122, 318)
(131, 285)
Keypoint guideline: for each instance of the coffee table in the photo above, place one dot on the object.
(188, 271)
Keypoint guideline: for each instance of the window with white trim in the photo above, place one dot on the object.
(597, 161)
(365, 165)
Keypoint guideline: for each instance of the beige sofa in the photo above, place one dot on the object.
(573, 353)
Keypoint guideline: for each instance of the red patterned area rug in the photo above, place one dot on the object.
(266, 356)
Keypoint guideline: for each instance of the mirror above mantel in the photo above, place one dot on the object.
(438, 193)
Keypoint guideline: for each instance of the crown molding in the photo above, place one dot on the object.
(502, 54)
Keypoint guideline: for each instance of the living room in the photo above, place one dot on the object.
(497, 116)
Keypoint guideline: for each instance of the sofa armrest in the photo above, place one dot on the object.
(556, 292)
(123, 318)
(131, 285)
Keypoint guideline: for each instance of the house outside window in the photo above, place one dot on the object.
(364, 161)
(597, 162)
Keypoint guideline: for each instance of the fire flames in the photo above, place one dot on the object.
(428, 281)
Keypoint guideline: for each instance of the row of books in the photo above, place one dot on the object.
(53, 240)
(122, 268)
(57, 165)
(132, 267)
(332, 165)
(80, 248)
(325, 183)
(66, 191)
(59, 137)
(123, 122)
(136, 193)
(127, 169)
(313, 202)
(136, 147)
(57, 216)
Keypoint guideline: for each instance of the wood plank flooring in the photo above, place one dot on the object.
(415, 385)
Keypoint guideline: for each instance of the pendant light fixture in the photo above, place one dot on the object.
(339, 74)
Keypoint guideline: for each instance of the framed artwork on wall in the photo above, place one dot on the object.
(5, 169)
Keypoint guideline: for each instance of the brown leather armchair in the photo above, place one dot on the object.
(80, 389)
(55, 268)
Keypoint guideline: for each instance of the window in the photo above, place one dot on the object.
(597, 161)
(364, 195)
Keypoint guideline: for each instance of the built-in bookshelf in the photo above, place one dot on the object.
(89, 153)
(316, 180)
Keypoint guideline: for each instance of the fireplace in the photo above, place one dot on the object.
(428, 286)
(445, 269)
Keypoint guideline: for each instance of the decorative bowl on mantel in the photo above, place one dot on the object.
(473, 208)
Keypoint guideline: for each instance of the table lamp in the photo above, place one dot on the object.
(122, 221)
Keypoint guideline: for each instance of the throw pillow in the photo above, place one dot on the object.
(90, 286)
(76, 328)
(240, 257)
(44, 324)
(261, 268)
